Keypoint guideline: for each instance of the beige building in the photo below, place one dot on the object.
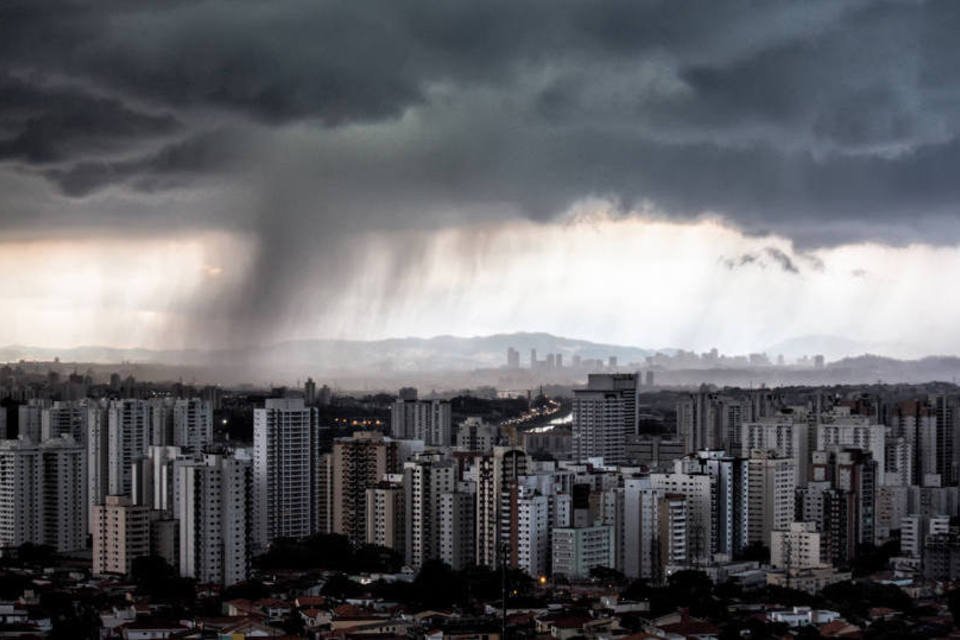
(121, 532)
(795, 548)
(385, 515)
(771, 489)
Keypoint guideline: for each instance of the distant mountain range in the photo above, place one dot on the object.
(459, 362)
(404, 354)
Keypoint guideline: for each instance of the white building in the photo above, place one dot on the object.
(128, 434)
(286, 470)
(698, 492)
(604, 416)
(577, 551)
(214, 512)
(21, 489)
(531, 534)
(427, 420)
(855, 434)
(425, 479)
(44, 493)
(192, 423)
(786, 437)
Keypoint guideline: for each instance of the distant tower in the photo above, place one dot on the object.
(649, 377)
(513, 358)
(533, 358)
(310, 392)
(612, 362)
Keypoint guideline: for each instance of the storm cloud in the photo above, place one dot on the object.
(826, 122)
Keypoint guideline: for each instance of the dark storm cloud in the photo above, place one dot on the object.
(778, 257)
(826, 121)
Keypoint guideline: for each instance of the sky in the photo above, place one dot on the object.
(716, 173)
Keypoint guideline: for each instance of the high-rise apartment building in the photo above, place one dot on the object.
(44, 493)
(386, 521)
(215, 517)
(359, 462)
(427, 420)
(576, 551)
(425, 479)
(457, 518)
(121, 533)
(286, 470)
(604, 417)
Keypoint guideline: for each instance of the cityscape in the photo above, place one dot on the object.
(527, 320)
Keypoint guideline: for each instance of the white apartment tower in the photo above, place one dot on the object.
(129, 429)
(21, 488)
(427, 420)
(214, 511)
(425, 479)
(530, 533)
(604, 415)
(286, 470)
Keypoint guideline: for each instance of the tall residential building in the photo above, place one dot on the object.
(30, 418)
(857, 474)
(192, 423)
(641, 528)
(708, 420)
(21, 487)
(129, 429)
(674, 532)
(427, 420)
(65, 418)
(457, 518)
(697, 489)
(855, 434)
(359, 462)
(385, 515)
(286, 470)
(476, 435)
(771, 496)
(425, 479)
(576, 551)
(495, 475)
(215, 518)
(121, 533)
(604, 417)
(44, 493)
(63, 493)
(786, 437)
(529, 530)
(797, 547)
